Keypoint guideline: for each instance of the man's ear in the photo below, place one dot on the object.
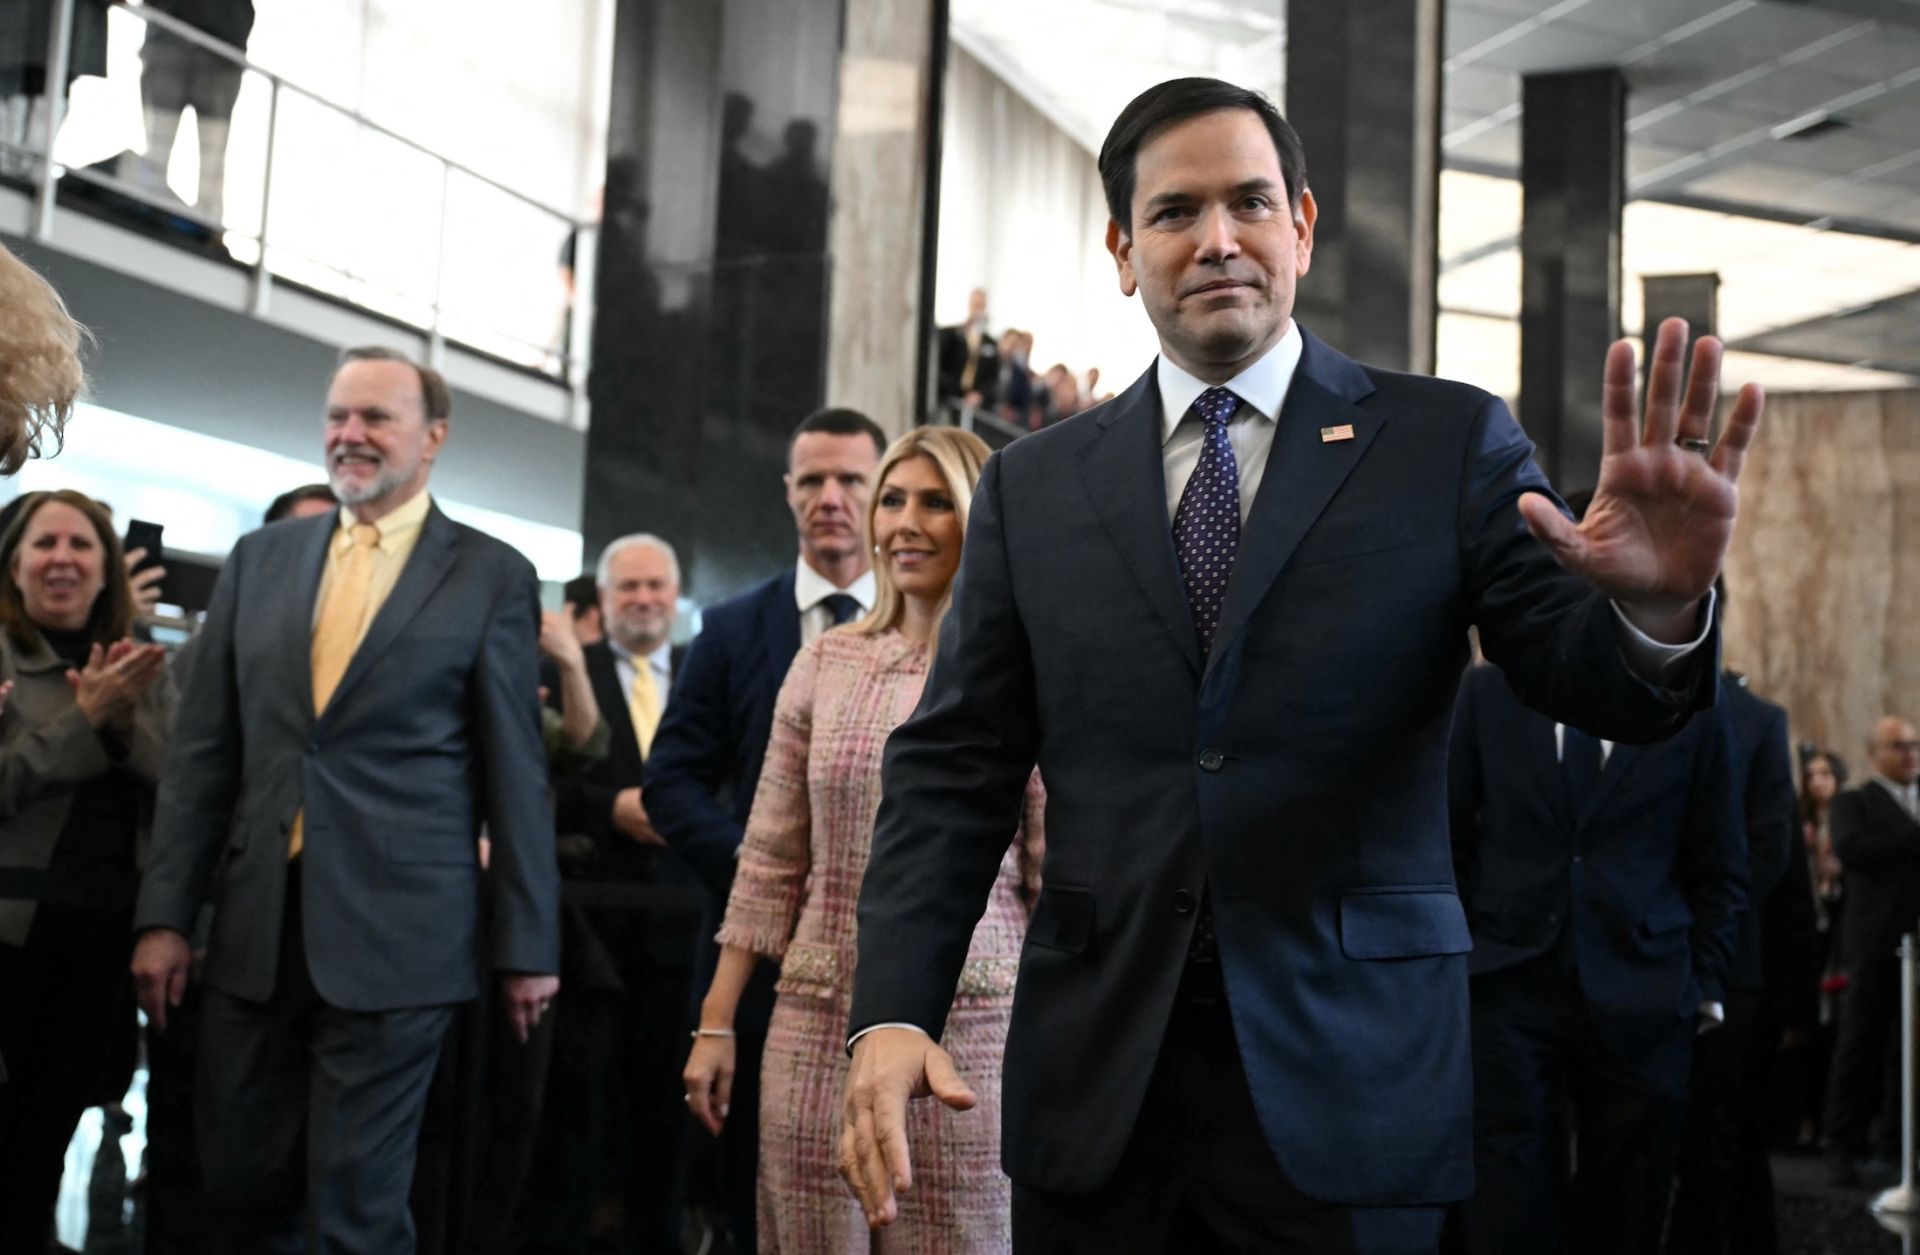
(1303, 219)
(437, 429)
(1120, 244)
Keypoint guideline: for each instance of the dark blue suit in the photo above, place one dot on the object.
(1297, 773)
(700, 781)
(1598, 931)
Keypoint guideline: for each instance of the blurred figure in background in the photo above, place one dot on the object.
(82, 742)
(40, 372)
(582, 594)
(176, 73)
(302, 503)
(1876, 834)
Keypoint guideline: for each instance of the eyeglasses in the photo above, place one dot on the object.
(1904, 747)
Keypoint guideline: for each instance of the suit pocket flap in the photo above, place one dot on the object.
(1062, 920)
(1666, 917)
(1403, 924)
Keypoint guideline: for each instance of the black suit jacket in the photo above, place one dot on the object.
(1763, 771)
(657, 901)
(706, 757)
(1299, 771)
(433, 732)
(1879, 845)
(1649, 876)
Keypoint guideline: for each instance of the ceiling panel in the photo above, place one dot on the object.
(1556, 46)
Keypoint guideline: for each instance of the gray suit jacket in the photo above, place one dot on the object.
(433, 732)
(47, 752)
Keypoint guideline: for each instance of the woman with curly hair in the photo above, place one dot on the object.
(40, 372)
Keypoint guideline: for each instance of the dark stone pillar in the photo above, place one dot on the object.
(1363, 90)
(710, 327)
(1695, 298)
(1573, 183)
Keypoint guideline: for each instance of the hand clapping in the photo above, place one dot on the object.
(1662, 514)
(114, 679)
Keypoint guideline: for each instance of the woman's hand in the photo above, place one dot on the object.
(709, 1080)
(146, 584)
(6, 691)
(114, 680)
(558, 642)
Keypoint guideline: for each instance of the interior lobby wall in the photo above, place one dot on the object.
(1823, 587)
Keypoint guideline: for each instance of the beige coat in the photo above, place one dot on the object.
(47, 750)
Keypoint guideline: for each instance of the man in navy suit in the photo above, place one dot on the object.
(705, 764)
(1227, 614)
(1602, 884)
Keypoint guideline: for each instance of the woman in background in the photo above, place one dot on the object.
(798, 884)
(82, 742)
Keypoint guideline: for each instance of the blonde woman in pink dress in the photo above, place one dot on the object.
(798, 883)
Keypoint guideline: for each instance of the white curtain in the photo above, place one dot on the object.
(1022, 215)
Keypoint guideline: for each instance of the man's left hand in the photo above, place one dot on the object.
(527, 997)
(1662, 514)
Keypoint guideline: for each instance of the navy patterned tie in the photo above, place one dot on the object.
(1206, 527)
(841, 606)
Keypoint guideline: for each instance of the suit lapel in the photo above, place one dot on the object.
(603, 670)
(780, 628)
(1620, 760)
(426, 567)
(296, 638)
(1303, 472)
(1124, 474)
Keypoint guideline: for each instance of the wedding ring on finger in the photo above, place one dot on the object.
(1694, 444)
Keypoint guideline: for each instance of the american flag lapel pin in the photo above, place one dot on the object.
(1330, 434)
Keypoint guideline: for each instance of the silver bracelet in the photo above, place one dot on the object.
(698, 1033)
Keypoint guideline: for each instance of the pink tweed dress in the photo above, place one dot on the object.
(793, 900)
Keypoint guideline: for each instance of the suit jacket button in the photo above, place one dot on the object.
(1182, 902)
(1211, 760)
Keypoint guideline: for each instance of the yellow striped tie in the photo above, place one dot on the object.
(337, 632)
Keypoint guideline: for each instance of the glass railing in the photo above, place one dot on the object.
(184, 138)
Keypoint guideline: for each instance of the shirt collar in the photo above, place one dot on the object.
(394, 527)
(1901, 792)
(810, 588)
(660, 660)
(1261, 387)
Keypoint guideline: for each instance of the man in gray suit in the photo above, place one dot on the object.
(364, 702)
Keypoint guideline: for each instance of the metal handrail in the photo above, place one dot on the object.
(571, 370)
(219, 47)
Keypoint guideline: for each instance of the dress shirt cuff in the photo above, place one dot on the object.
(1655, 661)
(1712, 1016)
(889, 1024)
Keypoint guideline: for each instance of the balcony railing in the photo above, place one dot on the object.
(306, 191)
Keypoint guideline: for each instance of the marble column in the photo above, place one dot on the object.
(1573, 185)
(1694, 297)
(1822, 596)
(886, 131)
(711, 327)
(1364, 91)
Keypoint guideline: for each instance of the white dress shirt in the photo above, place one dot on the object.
(810, 588)
(626, 666)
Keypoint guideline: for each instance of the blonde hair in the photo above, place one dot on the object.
(40, 372)
(959, 455)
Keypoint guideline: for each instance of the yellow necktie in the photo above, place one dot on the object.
(643, 704)
(337, 631)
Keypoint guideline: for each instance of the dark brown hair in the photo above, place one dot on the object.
(1177, 100)
(111, 618)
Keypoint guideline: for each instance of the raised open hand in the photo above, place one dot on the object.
(1662, 514)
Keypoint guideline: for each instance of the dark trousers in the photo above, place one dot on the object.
(1723, 1189)
(477, 1134)
(177, 1222)
(1197, 1175)
(67, 1035)
(1864, 1059)
(740, 1137)
(303, 1106)
(1573, 1150)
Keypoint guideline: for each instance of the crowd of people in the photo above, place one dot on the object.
(994, 374)
(465, 927)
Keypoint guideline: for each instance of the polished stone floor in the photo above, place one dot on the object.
(99, 1216)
